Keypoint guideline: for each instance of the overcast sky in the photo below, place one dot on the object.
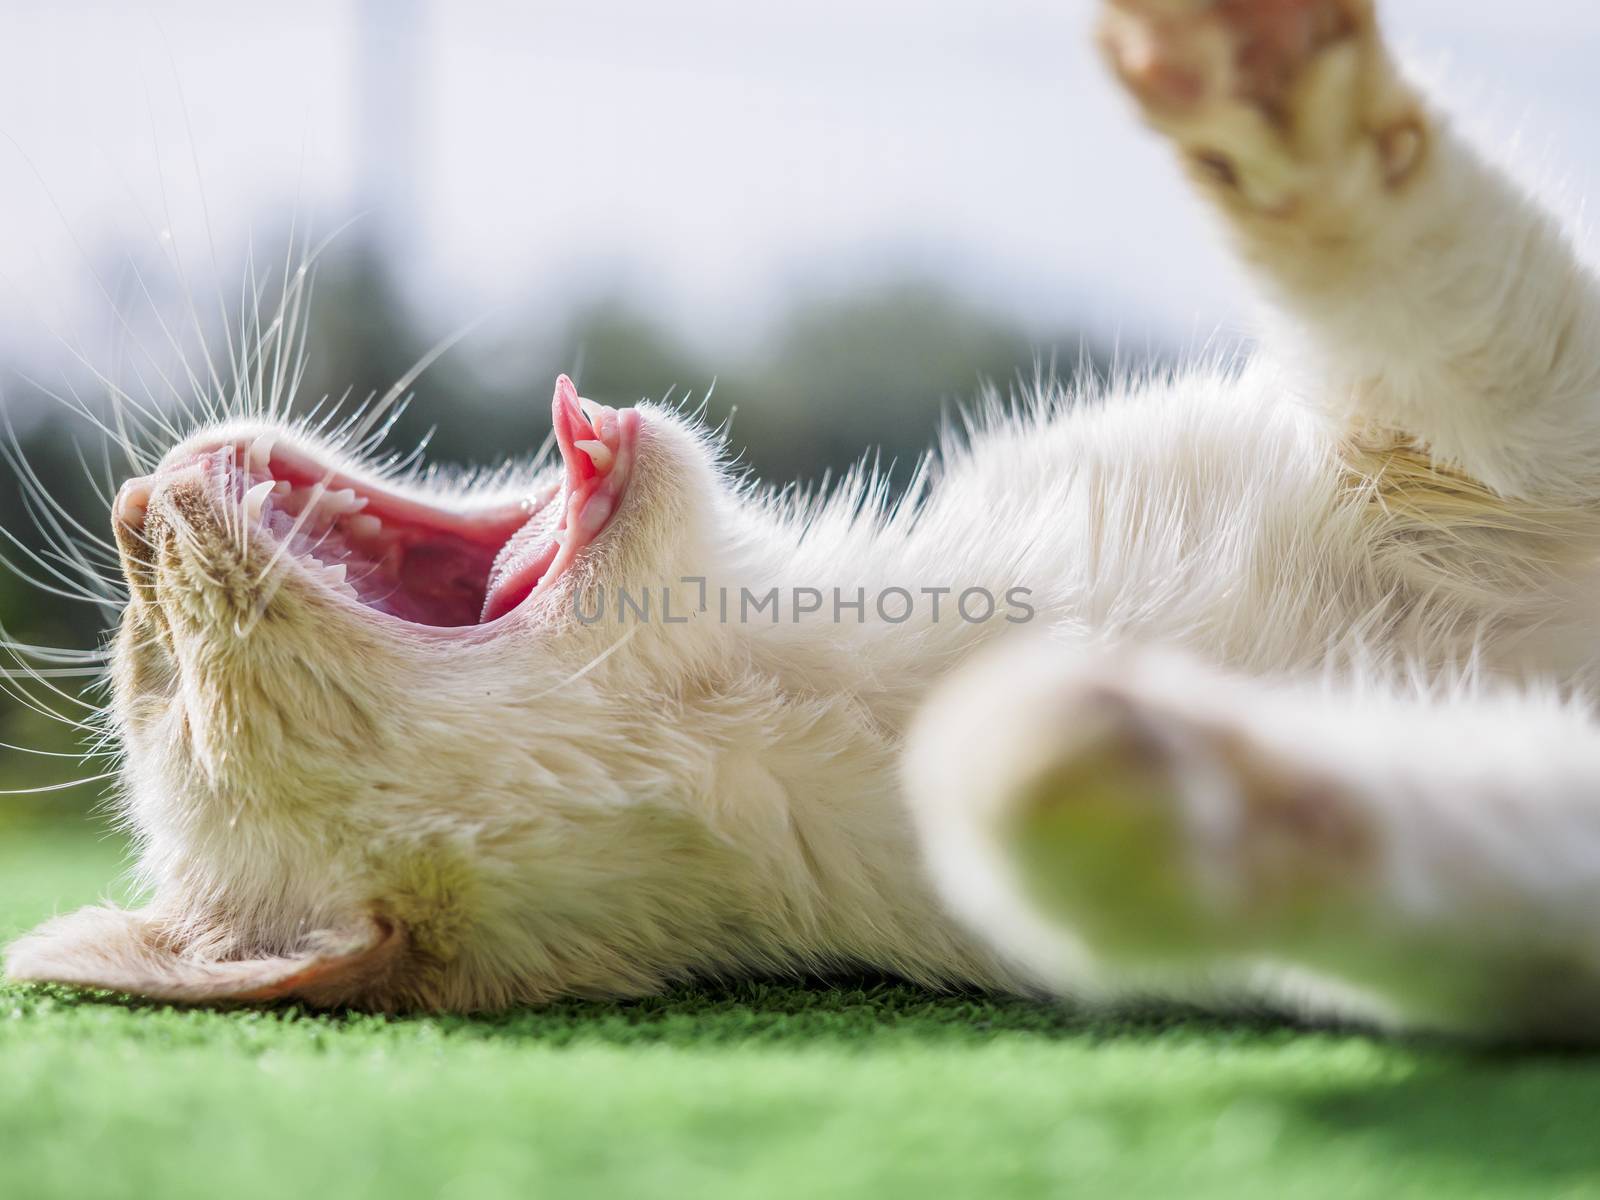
(707, 156)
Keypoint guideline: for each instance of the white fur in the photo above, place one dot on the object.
(1368, 574)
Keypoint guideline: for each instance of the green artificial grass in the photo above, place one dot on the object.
(870, 1090)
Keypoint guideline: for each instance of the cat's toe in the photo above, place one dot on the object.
(1180, 56)
(1267, 98)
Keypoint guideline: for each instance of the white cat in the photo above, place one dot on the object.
(1285, 705)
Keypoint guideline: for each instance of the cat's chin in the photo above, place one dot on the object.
(397, 556)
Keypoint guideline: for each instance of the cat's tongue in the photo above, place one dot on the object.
(597, 445)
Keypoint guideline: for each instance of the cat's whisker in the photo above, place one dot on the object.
(44, 789)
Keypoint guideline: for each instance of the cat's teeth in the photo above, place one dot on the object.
(599, 454)
(259, 455)
(256, 498)
(604, 421)
(364, 526)
(342, 501)
(335, 577)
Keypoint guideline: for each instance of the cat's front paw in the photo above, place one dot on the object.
(1272, 101)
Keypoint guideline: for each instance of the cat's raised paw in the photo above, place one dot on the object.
(1182, 55)
(1271, 100)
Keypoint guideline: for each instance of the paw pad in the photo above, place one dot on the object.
(1266, 96)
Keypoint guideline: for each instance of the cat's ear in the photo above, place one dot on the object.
(120, 950)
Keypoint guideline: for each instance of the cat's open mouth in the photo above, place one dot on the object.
(397, 554)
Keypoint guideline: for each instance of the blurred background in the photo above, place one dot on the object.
(838, 219)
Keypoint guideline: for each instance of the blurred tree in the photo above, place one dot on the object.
(875, 371)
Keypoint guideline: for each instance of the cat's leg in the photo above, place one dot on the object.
(1439, 302)
(1441, 858)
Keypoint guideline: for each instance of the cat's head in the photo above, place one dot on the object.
(374, 751)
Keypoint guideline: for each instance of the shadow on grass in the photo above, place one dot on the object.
(864, 1012)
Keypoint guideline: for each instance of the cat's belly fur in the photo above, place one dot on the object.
(1209, 513)
(1219, 515)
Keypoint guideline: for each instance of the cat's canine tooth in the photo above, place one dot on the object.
(592, 411)
(335, 575)
(282, 488)
(259, 456)
(599, 454)
(256, 498)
